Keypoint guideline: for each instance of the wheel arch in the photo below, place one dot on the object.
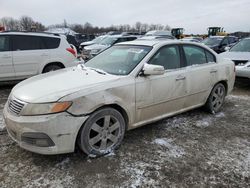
(60, 64)
(114, 106)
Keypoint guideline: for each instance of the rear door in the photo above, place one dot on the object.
(158, 95)
(202, 74)
(28, 53)
(6, 65)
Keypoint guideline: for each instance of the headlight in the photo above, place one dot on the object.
(95, 51)
(45, 108)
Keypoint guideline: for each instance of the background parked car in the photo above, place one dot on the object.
(93, 50)
(24, 54)
(219, 43)
(164, 37)
(97, 40)
(192, 39)
(158, 33)
(240, 54)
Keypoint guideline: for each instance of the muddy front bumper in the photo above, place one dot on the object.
(44, 134)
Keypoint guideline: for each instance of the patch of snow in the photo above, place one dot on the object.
(140, 176)
(2, 125)
(239, 97)
(205, 122)
(220, 115)
(66, 181)
(173, 150)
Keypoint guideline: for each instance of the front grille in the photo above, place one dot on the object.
(240, 62)
(15, 106)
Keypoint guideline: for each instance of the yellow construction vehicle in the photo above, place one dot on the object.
(216, 31)
(177, 32)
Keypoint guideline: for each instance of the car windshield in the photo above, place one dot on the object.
(108, 41)
(98, 39)
(119, 60)
(242, 46)
(212, 41)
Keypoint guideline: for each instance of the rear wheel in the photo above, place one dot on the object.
(50, 68)
(216, 98)
(102, 132)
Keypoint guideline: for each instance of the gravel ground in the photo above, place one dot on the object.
(194, 149)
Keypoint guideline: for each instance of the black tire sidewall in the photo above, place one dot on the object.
(49, 68)
(84, 131)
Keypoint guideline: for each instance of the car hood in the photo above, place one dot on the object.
(240, 56)
(95, 47)
(52, 86)
(87, 43)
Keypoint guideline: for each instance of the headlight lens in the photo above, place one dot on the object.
(45, 108)
(95, 51)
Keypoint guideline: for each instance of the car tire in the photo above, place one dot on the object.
(102, 132)
(50, 68)
(216, 98)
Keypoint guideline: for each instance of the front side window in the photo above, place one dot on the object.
(22, 42)
(4, 43)
(168, 57)
(225, 42)
(119, 59)
(194, 55)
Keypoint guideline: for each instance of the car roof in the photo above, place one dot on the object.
(157, 42)
(30, 33)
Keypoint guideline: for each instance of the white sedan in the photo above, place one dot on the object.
(126, 86)
(240, 54)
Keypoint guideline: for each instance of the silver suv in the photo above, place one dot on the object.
(24, 54)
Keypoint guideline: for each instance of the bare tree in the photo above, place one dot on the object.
(10, 23)
(26, 23)
(138, 26)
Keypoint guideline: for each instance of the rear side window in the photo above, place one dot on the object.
(210, 57)
(4, 43)
(23, 42)
(196, 55)
(51, 43)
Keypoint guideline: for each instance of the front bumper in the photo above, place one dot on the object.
(61, 128)
(243, 72)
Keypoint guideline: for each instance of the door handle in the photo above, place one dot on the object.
(44, 55)
(180, 78)
(213, 71)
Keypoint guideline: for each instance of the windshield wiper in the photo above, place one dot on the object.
(98, 71)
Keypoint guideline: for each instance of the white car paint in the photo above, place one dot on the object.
(242, 70)
(143, 98)
(22, 64)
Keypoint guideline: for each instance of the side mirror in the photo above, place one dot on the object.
(149, 69)
(227, 48)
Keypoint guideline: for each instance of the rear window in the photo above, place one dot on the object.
(51, 43)
(22, 42)
(4, 43)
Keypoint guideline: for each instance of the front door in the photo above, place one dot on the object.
(160, 95)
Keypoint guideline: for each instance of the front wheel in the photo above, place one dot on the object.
(216, 98)
(102, 132)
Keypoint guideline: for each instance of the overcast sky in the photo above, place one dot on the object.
(193, 15)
